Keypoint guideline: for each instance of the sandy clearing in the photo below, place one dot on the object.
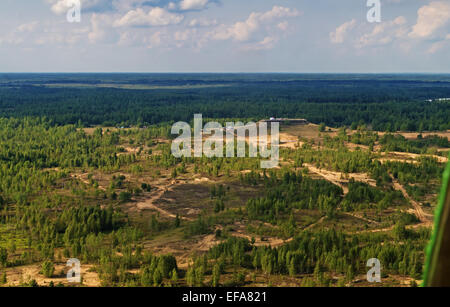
(407, 155)
(148, 200)
(289, 141)
(414, 135)
(339, 178)
(18, 275)
(384, 160)
(203, 179)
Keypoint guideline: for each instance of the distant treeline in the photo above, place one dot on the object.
(386, 103)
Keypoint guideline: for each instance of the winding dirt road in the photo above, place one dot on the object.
(337, 177)
(149, 203)
(418, 211)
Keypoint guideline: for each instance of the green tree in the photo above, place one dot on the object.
(48, 269)
(3, 279)
(157, 278)
(216, 276)
(350, 273)
(3, 256)
(322, 127)
(174, 277)
(400, 231)
(190, 277)
(177, 221)
(124, 196)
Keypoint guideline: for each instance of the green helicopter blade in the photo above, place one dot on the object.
(437, 266)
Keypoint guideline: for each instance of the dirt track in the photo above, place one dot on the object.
(149, 203)
(81, 178)
(337, 177)
(360, 217)
(418, 211)
(404, 156)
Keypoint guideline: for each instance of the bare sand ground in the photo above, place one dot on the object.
(148, 200)
(339, 178)
(19, 275)
(413, 135)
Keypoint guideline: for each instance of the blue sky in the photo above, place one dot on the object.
(224, 36)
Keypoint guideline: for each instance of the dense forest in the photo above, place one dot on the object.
(384, 102)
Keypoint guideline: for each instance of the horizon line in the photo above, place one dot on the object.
(249, 72)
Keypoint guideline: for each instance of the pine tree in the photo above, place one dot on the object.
(350, 273)
(216, 276)
(3, 256)
(177, 221)
(3, 279)
(190, 277)
(157, 278)
(174, 277)
(48, 269)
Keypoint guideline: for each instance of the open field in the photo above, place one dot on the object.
(130, 86)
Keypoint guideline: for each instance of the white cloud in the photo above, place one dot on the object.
(244, 30)
(437, 46)
(28, 27)
(126, 22)
(60, 7)
(144, 38)
(139, 39)
(202, 23)
(186, 5)
(283, 26)
(278, 12)
(362, 35)
(430, 18)
(338, 36)
(127, 5)
(153, 40)
(28, 35)
(429, 33)
(186, 37)
(154, 17)
(384, 33)
(11, 40)
(182, 35)
(266, 44)
(101, 29)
